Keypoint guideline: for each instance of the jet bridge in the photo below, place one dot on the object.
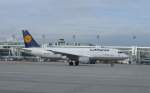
(137, 55)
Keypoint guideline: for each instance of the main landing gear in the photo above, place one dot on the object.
(92, 61)
(72, 62)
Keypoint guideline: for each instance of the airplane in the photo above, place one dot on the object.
(74, 55)
(77, 55)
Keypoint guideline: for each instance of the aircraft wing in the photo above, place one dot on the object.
(64, 53)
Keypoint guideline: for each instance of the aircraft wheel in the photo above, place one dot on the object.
(76, 63)
(70, 63)
(92, 62)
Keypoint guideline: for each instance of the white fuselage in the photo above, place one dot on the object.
(89, 52)
(96, 53)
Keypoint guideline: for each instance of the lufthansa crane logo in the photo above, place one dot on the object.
(28, 39)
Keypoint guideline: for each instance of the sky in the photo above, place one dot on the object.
(115, 21)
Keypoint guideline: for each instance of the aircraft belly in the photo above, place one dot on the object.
(109, 58)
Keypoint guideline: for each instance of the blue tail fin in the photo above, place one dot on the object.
(29, 40)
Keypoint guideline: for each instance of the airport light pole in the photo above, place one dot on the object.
(98, 39)
(135, 51)
(134, 37)
(13, 37)
(74, 39)
(43, 38)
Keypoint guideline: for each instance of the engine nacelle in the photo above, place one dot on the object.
(64, 57)
(84, 60)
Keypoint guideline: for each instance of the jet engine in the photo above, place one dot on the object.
(84, 60)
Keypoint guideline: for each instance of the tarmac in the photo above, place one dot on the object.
(57, 77)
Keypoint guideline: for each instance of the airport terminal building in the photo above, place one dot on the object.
(13, 51)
